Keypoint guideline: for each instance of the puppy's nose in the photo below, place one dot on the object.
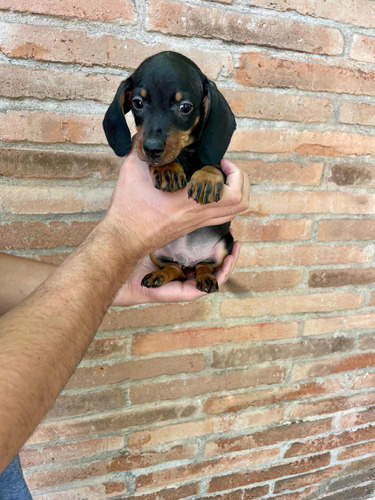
(153, 147)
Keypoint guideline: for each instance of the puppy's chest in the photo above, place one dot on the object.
(190, 161)
(191, 249)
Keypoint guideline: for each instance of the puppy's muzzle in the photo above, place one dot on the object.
(153, 148)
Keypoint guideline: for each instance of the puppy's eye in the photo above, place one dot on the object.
(186, 108)
(137, 103)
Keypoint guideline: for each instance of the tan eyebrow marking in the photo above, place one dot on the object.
(143, 93)
(178, 96)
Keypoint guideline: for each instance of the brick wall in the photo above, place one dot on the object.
(265, 390)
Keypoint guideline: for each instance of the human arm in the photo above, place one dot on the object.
(43, 338)
(20, 276)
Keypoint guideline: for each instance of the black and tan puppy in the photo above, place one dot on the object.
(184, 126)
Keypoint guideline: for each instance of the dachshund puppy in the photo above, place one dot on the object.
(184, 126)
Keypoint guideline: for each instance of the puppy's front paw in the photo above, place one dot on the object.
(169, 178)
(206, 185)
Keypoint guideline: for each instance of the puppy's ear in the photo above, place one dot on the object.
(218, 126)
(114, 124)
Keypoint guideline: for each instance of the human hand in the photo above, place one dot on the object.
(175, 291)
(148, 218)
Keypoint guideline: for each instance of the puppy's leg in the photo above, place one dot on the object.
(170, 177)
(207, 184)
(205, 279)
(170, 272)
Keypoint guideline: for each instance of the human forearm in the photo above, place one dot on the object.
(18, 278)
(43, 339)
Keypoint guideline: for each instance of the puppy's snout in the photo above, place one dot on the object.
(153, 147)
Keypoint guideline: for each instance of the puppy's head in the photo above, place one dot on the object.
(174, 105)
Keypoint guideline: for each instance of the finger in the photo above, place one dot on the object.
(237, 187)
(229, 264)
(234, 174)
(176, 291)
(245, 201)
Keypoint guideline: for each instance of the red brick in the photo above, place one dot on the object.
(25, 81)
(50, 127)
(201, 469)
(177, 493)
(349, 474)
(360, 417)
(306, 494)
(341, 277)
(366, 491)
(346, 229)
(357, 113)
(142, 460)
(33, 163)
(284, 173)
(31, 235)
(248, 493)
(104, 490)
(73, 451)
(361, 13)
(330, 442)
(297, 482)
(106, 348)
(363, 48)
(268, 437)
(84, 404)
(335, 405)
(305, 142)
(237, 402)
(355, 451)
(353, 175)
(368, 342)
(303, 255)
(208, 22)
(165, 314)
(144, 344)
(270, 352)
(289, 304)
(115, 421)
(272, 106)
(283, 202)
(177, 388)
(262, 281)
(93, 9)
(212, 425)
(364, 381)
(275, 230)
(334, 365)
(47, 43)
(346, 473)
(321, 326)
(32, 200)
(260, 70)
(135, 370)
(39, 480)
(238, 479)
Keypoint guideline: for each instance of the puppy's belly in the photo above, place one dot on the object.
(202, 245)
